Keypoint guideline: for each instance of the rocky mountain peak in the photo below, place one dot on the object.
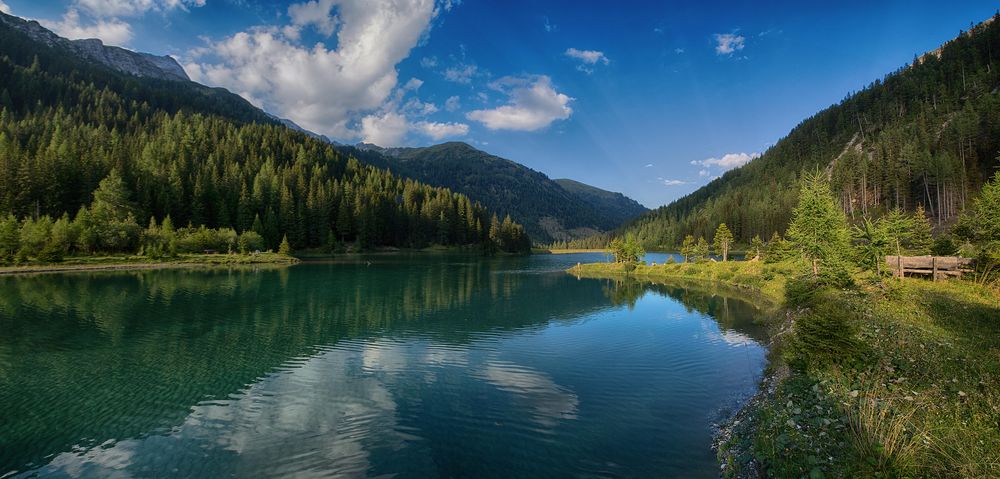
(117, 58)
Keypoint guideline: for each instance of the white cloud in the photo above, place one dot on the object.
(129, 8)
(4, 8)
(413, 84)
(648, 165)
(726, 162)
(429, 62)
(386, 129)
(674, 182)
(461, 73)
(417, 107)
(453, 103)
(111, 31)
(728, 43)
(533, 104)
(438, 131)
(315, 14)
(588, 57)
(678, 51)
(321, 89)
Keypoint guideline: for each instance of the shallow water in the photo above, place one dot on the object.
(423, 366)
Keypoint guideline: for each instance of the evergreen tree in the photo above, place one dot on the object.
(920, 239)
(688, 248)
(284, 248)
(722, 240)
(819, 227)
(701, 249)
(757, 248)
(872, 244)
(897, 227)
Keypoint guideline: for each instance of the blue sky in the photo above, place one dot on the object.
(652, 99)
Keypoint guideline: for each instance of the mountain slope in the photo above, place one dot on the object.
(203, 156)
(607, 204)
(927, 134)
(548, 209)
(126, 61)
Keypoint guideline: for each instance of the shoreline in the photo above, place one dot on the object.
(138, 263)
(851, 367)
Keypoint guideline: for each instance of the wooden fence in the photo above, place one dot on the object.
(936, 266)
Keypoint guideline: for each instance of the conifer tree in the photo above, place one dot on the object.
(688, 248)
(722, 240)
(284, 248)
(757, 248)
(819, 227)
(920, 239)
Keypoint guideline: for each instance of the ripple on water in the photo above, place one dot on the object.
(338, 370)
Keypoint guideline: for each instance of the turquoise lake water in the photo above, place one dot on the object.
(385, 366)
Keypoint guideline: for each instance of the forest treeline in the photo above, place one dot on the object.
(926, 135)
(201, 159)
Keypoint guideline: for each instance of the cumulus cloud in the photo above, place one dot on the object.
(725, 163)
(453, 103)
(384, 129)
(315, 14)
(673, 182)
(728, 43)
(533, 104)
(129, 8)
(111, 31)
(103, 18)
(4, 8)
(587, 58)
(322, 89)
(438, 131)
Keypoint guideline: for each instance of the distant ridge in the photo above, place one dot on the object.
(550, 210)
(123, 60)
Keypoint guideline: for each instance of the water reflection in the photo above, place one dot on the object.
(340, 369)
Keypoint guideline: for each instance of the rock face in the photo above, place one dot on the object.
(127, 61)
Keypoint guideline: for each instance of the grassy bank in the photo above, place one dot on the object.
(567, 250)
(885, 378)
(132, 262)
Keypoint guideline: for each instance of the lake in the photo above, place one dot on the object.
(405, 366)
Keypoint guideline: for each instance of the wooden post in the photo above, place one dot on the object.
(899, 266)
(934, 267)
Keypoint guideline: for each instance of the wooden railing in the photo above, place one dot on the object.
(936, 266)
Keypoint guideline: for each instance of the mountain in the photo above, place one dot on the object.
(606, 203)
(550, 210)
(120, 59)
(203, 156)
(927, 134)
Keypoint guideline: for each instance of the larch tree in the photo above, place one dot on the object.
(819, 227)
(722, 240)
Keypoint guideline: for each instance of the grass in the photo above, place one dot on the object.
(568, 250)
(886, 378)
(123, 262)
(767, 279)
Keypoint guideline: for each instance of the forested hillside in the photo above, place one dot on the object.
(927, 134)
(549, 209)
(201, 156)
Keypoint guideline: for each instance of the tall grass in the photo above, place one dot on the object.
(884, 436)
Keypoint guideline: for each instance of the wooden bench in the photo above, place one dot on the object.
(936, 266)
